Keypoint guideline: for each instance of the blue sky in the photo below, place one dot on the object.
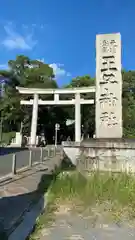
(62, 33)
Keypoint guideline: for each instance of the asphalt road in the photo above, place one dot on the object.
(22, 157)
(22, 160)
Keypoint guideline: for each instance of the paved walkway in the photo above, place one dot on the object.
(74, 227)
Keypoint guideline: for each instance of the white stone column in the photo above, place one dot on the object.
(56, 97)
(77, 118)
(108, 86)
(34, 121)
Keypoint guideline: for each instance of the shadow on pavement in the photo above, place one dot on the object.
(11, 207)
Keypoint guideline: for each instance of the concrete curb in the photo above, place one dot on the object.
(6, 178)
(20, 170)
(27, 168)
(18, 177)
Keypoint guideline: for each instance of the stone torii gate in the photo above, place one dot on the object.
(77, 101)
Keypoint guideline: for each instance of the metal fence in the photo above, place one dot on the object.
(19, 160)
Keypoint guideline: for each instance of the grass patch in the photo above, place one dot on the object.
(99, 194)
(113, 193)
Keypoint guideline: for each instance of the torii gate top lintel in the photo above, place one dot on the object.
(55, 90)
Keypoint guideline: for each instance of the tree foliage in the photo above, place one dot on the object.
(27, 73)
(84, 81)
(128, 103)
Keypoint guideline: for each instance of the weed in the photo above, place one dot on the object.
(96, 195)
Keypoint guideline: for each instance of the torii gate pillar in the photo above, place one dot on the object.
(77, 118)
(34, 121)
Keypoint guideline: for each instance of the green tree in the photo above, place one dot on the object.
(10, 103)
(128, 103)
(83, 81)
(27, 73)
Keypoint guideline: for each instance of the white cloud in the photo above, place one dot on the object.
(41, 60)
(15, 40)
(59, 70)
(3, 66)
